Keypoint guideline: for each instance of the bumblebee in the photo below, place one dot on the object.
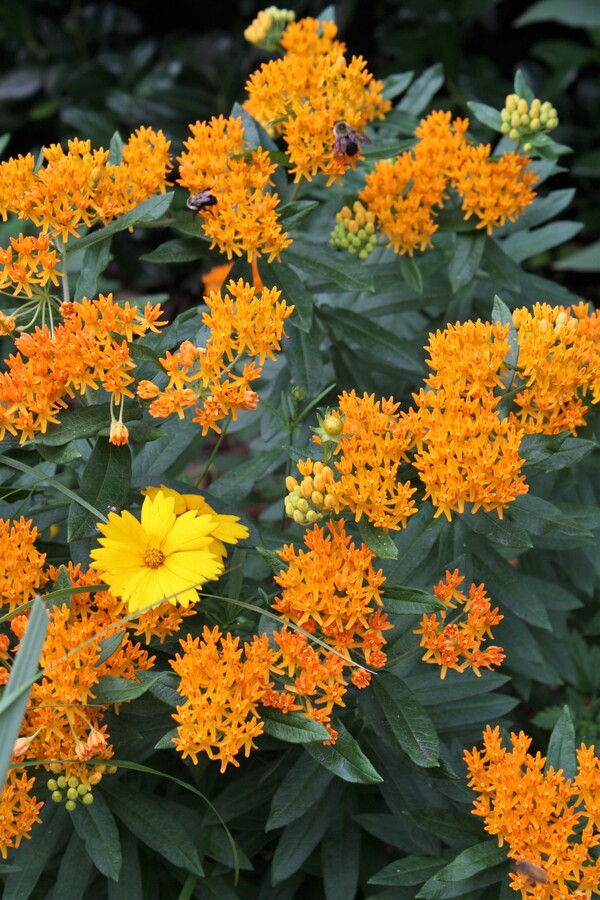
(197, 202)
(530, 870)
(347, 141)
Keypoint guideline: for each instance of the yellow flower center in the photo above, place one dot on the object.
(153, 558)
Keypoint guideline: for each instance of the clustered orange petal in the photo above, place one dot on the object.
(559, 364)
(406, 194)
(243, 323)
(28, 261)
(544, 818)
(372, 448)
(457, 644)
(222, 684)
(21, 564)
(82, 352)
(301, 95)
(82, 187)
(19, 809)
(244, 219)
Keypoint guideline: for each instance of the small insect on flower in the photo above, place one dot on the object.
(530, 870)
(347, 140)
(197, 202)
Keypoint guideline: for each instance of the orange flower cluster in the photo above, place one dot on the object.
(242, 219)
(329, 588)
(466, 452)
(63, 728)
(545, 818)
(559, 363)
(328, 591)
(82, 187)
(82, 352)
(457, 644)
(19, 810)
(407, 193)
(222, 691)
(242, 323)
(301, 95)
(21, 564)
(28, 261)
(369, 454)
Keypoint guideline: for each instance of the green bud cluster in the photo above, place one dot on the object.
(69, 791)
(267, 28)
(520, 118)
(354, 231)
(309, 500)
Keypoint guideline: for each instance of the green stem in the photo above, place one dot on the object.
(202, 475)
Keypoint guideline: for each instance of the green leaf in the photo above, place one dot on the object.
(300, 837)
(465, 260)
(109, 646)
(293, 728)
(485, 114)
(74, 871)
(180, 250)
(345, 758)
(542, 209)
(304, 357)
(97, 828)
(524, 244)
(340, 852)
(577, 14)
(585, 260)
(23, 674)
(394, 85)
(551, 452)
(326, 265)
(129, 884)
(115, 151)
(480, 858)
(105, 484)
(561, 747)
(157, 822)
(371, 341)
(408, 722)
(407, 871)
(239, 482)
(147, 211)
(94, 262)
(405, 601)
(293, 291)
(293, 214)
(77, 423)
(35, 854)
(303, 784)
(111, 689)
(541, 517)
(377, 540)
(422, 90)
(498, 531)
(501, 269)
(411, 273)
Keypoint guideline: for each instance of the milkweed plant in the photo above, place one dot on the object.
(296, 582)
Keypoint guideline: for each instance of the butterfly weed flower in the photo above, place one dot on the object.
(539, 814)
(456, 644)
(368, 457)
(161, 556)
(21, 563)
(302, 95)
(244, 220)
(245, 327)
(222, 685)
(19, 809)
(79, 188)
(558, 367)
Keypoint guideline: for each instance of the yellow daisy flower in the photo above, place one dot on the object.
(164, 556)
